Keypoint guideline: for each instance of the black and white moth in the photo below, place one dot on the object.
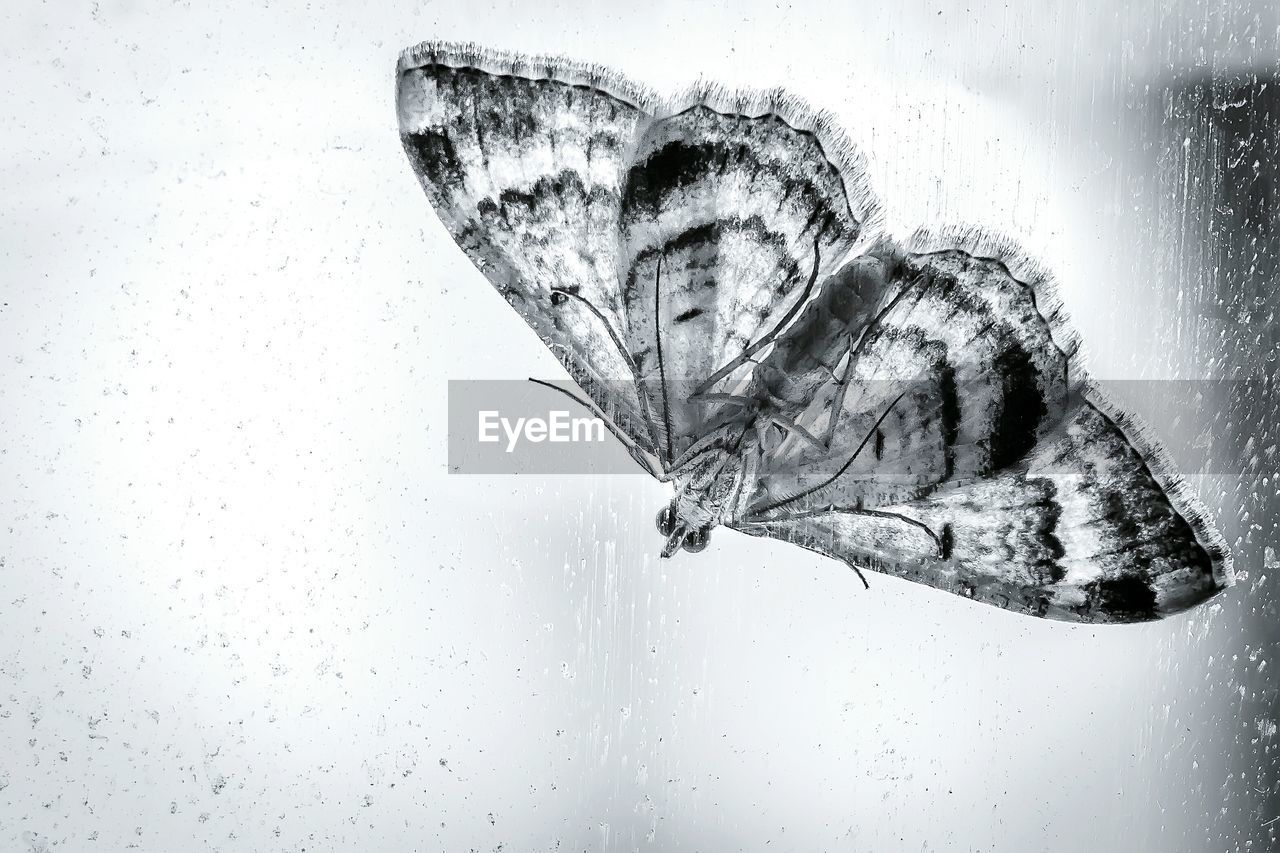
(709, 270)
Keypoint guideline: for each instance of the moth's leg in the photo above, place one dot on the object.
(694, 450)
(791, 427)
(764, 435)
(875, 513)
(845, 467)
(750, 472)
(842, 384)
(753, 521)
(730, 399)
(742, 474)
(698, 448)
(662, 372)
(855, 351)
(636, 452)
(837, 405)
(768, 338)
(641, 394)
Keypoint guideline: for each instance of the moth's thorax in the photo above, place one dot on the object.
(709, 490)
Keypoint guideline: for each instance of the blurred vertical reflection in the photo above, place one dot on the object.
(1207, 212)
(1217, 191)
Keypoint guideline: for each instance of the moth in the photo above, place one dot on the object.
(711, 272)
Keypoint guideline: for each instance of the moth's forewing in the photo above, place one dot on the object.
(526, 172)
(685, 229)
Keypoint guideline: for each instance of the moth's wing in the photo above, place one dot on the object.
(1092, 526)
(920, 370)
(525, 162)
(1002, 474)
(732, 210)
(550, 174)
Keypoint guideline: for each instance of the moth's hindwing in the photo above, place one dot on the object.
(1082, 531)
(968, 453)
(944, 367)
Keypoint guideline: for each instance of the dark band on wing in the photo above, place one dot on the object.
(966, 338)
(1022, 405)
(432, 155)
(1082, 531)
(696, 248)
(679, 167)
(556, 191)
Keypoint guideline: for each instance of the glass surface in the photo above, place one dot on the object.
(244, 605)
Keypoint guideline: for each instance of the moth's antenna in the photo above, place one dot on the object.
(642, 396)
(726, 399)
(845, 467)
(777, 330)
(608, 422)
(791, 427)
(662, 372)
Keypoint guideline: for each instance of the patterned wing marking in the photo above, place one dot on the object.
(569, 187)
(1091, 527)
(950, 346)
(726, 220)
(526, 171)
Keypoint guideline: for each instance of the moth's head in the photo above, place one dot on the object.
(680, 532)
(705, 486)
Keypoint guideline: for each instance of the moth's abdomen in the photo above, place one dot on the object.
(817, 345)
(942, 361)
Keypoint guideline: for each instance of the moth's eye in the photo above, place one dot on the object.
(558, 298)
(696, 540)
(666, 520)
